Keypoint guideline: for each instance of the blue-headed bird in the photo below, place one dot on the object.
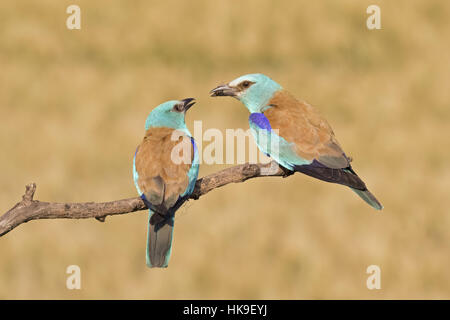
(305, 141)
(163, 178)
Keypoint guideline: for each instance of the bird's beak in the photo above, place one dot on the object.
(187, 103)
(223, 90)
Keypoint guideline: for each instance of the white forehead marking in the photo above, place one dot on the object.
(235, 82)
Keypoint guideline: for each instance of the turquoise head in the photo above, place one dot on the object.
(169, 114)
(253, 90)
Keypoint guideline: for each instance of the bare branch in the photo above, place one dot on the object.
(29, 209)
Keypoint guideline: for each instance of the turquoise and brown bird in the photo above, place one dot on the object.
(165, 169)
(293, 133)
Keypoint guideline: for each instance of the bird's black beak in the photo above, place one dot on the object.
(223, 90)
(187, 103)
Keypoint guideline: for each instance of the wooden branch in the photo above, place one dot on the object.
(29, 209)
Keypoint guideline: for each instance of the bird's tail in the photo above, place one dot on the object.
(368, 197)
(159, 240)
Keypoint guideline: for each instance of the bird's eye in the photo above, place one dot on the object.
(178, 107)
(246, 84)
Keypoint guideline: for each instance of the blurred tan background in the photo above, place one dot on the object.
(73, 106)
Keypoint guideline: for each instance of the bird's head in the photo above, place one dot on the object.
(169, 114)
(253, 90)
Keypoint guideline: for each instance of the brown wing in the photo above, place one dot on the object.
(301, 124)
(161, 178)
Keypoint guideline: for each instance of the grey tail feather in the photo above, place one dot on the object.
(368, 197)
(159, 242)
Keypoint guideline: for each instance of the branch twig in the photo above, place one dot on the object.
(29, 209)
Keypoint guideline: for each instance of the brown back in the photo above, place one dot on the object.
(160, 178)
(301, 124)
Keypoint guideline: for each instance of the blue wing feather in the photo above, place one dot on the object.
(136, 174)
(193, 171)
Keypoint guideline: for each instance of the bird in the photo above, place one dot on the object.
(164, 180)
(294, 133)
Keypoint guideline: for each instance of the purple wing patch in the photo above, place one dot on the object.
(260, 120)
(194, 145)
